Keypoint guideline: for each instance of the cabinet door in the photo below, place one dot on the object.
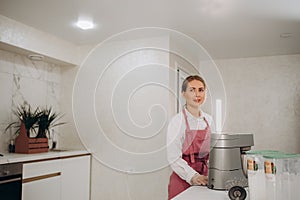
(75, 179)
(42, 180)
(43, 189)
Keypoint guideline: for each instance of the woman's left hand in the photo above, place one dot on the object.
(199, 180)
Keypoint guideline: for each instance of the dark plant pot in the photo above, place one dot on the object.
(24, 144)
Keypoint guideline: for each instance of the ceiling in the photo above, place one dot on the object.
(225, 28)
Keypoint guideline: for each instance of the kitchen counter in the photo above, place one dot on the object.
(52, 154)
(202, 192)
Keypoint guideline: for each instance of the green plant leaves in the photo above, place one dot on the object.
(41, 119)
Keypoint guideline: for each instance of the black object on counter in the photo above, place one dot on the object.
(11, 147)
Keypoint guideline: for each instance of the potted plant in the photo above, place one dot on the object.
(47, 119)
(27, 117)
(40, 119)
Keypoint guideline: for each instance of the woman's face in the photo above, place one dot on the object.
(195, 93)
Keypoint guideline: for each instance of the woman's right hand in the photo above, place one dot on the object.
(198, 179)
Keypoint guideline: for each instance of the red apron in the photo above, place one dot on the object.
(195, 151)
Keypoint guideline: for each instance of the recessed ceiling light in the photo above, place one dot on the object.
(84, 24)
(36, 57)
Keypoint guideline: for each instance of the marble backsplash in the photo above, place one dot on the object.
(25, 81)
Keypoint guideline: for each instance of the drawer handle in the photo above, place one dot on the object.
(10, 180)
(36, 178)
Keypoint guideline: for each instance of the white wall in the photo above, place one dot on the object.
(38, 83)
(263, 99)
(24, 81)
(131, 105)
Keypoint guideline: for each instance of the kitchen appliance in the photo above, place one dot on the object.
(227, 163)
(11, 181)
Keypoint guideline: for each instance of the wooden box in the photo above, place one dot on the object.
(24, 144)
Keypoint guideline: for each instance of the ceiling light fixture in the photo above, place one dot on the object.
(36, 57)
(85, 25)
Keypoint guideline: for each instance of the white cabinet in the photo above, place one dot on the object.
(75, 180)
(64, 178)
(41, 180)
(45, 189)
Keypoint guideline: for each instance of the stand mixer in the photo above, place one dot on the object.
(227, 163)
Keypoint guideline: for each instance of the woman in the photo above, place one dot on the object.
(188, 139)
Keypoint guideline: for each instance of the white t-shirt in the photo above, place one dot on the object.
(175, 139)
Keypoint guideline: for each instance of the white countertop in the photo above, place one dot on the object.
(17, 157)
(202, 192)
